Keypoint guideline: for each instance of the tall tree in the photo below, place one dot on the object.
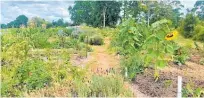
(81, 12)
(131, 9)
(95, 13)
(21, 20)
(36, 22)
(189, 25)
(3, 26)
(199, 9)
(59, 23)
(177, 14)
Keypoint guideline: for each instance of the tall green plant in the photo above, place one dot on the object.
(146, 44)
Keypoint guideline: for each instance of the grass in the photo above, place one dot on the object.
(188, 42)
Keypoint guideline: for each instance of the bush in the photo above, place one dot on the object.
(133, 65)
(32, 74)
(40, 40)
(96, 40)
(199, 33)
(68, 31)
(189, 25)
(93, 38)
(181, 54)
(201, 61)
(100, 86)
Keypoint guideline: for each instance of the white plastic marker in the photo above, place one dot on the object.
(126, 72)
(179, 92)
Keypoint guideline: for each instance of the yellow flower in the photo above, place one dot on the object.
(171, 35)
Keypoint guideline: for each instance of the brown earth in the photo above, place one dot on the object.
(144, 85)
(166, 86)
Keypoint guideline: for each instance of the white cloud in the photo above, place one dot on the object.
(49, 10)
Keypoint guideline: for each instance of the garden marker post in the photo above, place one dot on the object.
(126, 72)
(179, 92)
(87, 42)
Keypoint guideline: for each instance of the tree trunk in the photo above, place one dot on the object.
(148, 17)
(104, 17)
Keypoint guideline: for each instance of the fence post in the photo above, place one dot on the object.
(179, 92)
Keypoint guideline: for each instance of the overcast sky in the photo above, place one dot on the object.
(47, 9)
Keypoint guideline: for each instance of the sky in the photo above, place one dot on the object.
(47, 9)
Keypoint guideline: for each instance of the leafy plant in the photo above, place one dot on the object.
(146, 44)
(191, 91)
(91, 37)
(201, 61)
(134, 66)
(199, 33)
(181, 54)
(32, 74)
(189, 25)
(100, 86)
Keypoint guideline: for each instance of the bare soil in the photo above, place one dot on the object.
(166, 86)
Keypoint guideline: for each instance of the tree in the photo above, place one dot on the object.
(59, 23)
(177, 6)
(189, 24)
(3, 26)
(21, 20)
(199, 9)
(12, 24)
(81, 12)
(161, 11)
(95, 13)
(131, 9)
(36, 22)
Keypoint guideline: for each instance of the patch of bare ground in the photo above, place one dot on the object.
(166, 86)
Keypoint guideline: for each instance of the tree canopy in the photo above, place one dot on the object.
(95, 13)
(20, 20)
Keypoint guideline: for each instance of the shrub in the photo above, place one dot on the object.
(181, 54)
(93, 39)
(190, 90)
(201, 61)
(133, 65)
(68, 31)
(144, 46)
(33, 74)
(40, 40)
(199, 33)
(101, 86)
(189, 25)
(96, 40)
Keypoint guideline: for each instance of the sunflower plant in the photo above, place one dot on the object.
(152, 46)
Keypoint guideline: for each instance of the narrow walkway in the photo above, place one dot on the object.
(100, 60)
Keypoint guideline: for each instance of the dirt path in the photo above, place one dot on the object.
(100, 60)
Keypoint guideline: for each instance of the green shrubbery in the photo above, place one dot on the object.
(101, 86)
(144, 46)
(33, 74)
(199, 33)
(26, 66)
(91, 37)
(192, 27)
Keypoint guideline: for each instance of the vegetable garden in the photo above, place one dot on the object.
(131, 59)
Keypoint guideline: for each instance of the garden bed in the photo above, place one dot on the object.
(166, 86)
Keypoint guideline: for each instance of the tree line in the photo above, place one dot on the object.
(109, 13)
(23, 21)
